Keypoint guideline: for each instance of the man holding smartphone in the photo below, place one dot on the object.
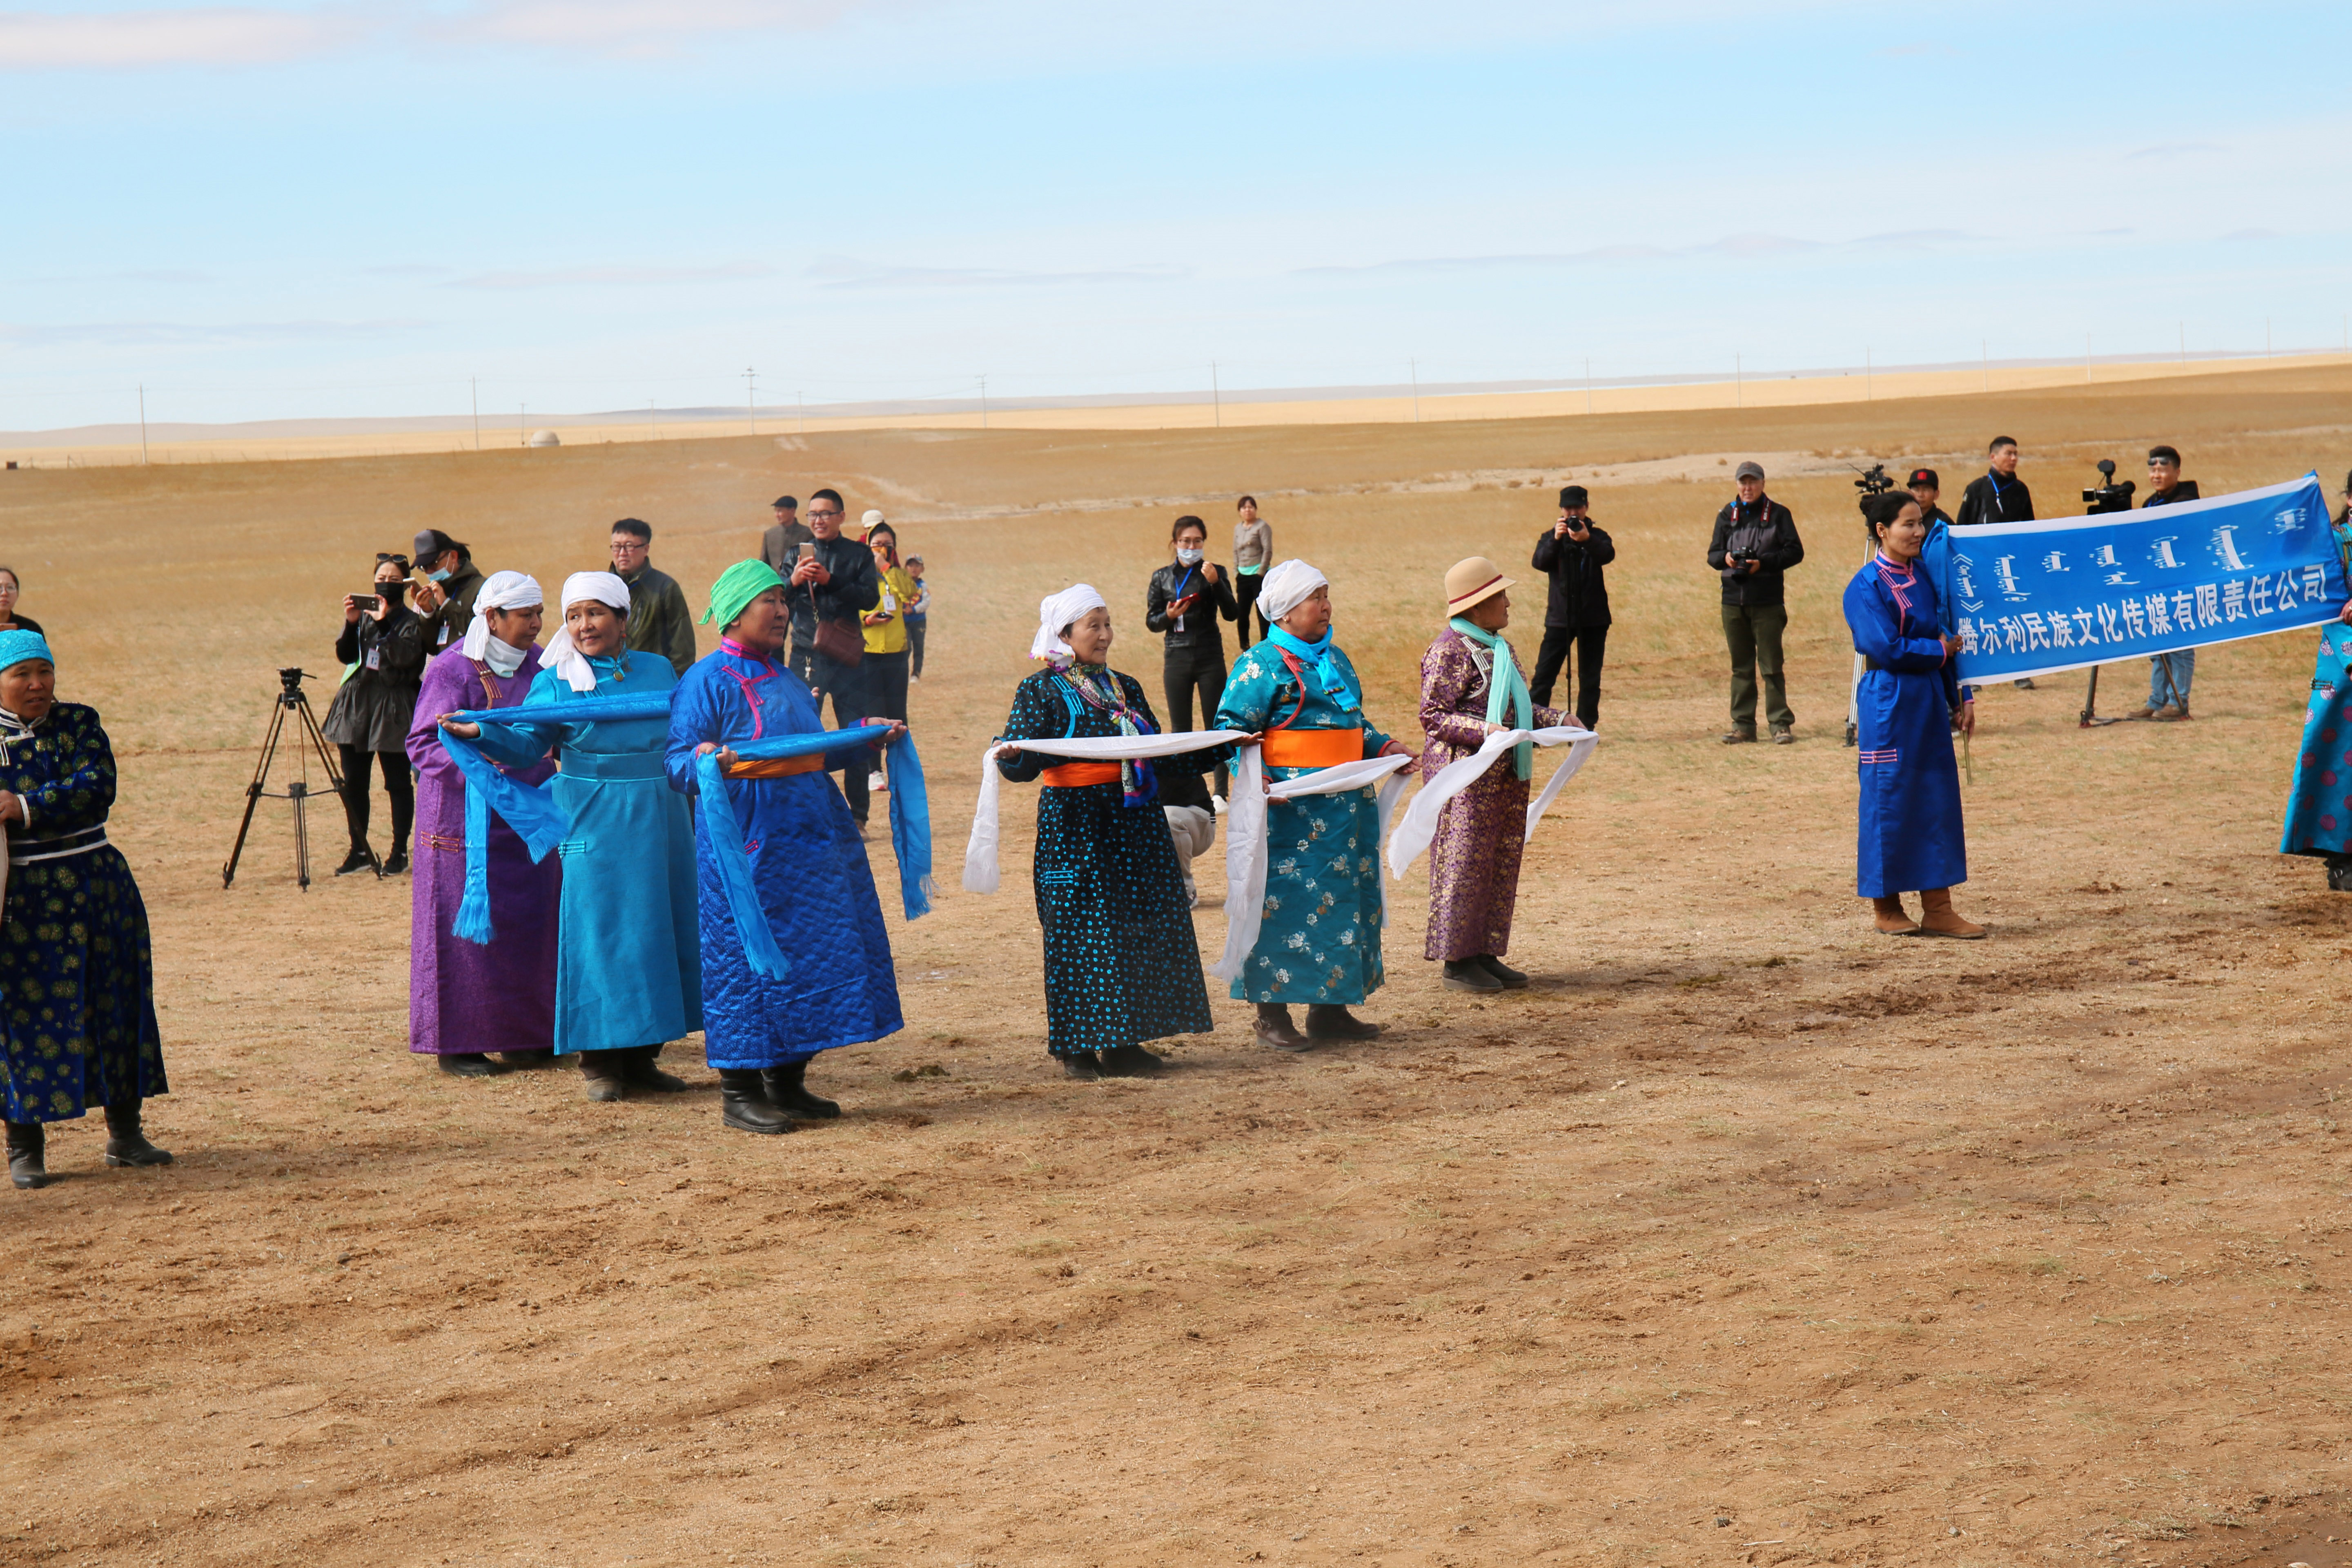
(831, 586)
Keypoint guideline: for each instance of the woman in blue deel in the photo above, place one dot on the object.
(1910, 838)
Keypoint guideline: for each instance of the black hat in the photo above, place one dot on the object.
(1922, 476)
(792, 501)
(1573, 495)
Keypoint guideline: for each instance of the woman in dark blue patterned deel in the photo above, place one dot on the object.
(76, 976)
(1122, 965)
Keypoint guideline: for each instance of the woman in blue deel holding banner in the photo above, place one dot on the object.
(2319, 808)
(1910, 838)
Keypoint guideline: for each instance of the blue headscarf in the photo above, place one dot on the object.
(15, 648)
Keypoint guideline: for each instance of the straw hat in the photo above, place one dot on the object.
(1467, 582)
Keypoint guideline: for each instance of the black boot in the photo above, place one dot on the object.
(604, 1075)
(29, 1144)
(2339, 873)
(1080, 1065)
(743, 1104)
(638, 1071)
(1129, 1062)
(1326, 1021)
(1512, 979)
(125, 1144)
(471, 1063)
(1469, 974)
(788, 1092)
(520, 1059)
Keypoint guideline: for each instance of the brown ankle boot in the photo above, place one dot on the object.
(1890, 918)
(1275, 1028)
(1937, 918)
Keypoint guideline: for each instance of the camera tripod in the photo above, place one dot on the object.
(290, 698)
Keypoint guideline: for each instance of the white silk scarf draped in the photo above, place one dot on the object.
(980, 868)
(1419, 826)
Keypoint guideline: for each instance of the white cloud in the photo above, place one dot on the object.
(638, 26)
(119, 40)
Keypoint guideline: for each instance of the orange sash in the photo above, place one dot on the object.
(1070, 776)
(777, 767)
(1312, 748)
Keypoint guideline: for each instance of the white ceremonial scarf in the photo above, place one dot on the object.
(1414, 833)
(561, 654)
(501, 591)
(1056, 613)
(1245, 834)
(980, 870)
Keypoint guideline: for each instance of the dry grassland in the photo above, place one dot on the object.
(1743, 1237)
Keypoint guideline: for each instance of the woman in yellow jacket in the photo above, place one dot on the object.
(885, 635)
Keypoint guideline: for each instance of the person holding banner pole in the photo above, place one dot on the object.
(1122, 963)
(2168, 674)
(2315, 824)
(1910, 837)
(628, 971)
(796, 960)
(1319, 941)
(466, 999)
(1472, 687)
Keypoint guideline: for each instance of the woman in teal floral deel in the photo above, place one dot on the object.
(77, 977)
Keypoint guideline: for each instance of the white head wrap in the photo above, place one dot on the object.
(561, 654)
(501, 591)
(1056, 613)
(1287, 587)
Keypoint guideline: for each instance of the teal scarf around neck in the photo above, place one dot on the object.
(1323, 654)
(1506, 692)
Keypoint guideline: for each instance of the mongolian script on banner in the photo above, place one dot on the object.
(2033, 598)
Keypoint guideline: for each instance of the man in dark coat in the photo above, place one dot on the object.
(1755, 541)
(1998, 495)
(659, 621)
(445, 601)
(835, 586)
(1572, 553)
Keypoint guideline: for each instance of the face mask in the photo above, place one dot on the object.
(1188, 557)
(440, 577)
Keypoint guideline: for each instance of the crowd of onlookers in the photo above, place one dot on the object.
(859, 610)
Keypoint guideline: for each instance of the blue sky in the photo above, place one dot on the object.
(352, 208)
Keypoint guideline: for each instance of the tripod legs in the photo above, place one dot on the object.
(297, 789)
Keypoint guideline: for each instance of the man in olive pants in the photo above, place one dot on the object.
(1755, 541)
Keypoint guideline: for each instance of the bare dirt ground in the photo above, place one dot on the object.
(1743, 1237)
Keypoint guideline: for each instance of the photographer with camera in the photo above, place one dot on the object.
(1572, 553)
(832, 586)
(2168, 674)
(382, 652)
(1755, 541)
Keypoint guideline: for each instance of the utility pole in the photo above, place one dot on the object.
(142, 423)
(522, 424)
(750, 398)
(1216, 397)
(1412, 368)
(474, 385)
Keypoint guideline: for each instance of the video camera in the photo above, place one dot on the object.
(2109, 496)
(1875, 481)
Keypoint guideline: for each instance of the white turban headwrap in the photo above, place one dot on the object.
(501, 591)
(561, 654)
(1287, 587)
(1056, 613)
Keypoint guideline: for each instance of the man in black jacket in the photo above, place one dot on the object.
(1572, 551)
(1998, 495)
(2168, 674)
(1755, 541)
(834, 585)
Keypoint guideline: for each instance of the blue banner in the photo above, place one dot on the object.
(2034, 598)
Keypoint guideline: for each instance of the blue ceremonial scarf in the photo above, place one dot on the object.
(531, 810)
(910, 831)
(1322, 655)
(1507, 690)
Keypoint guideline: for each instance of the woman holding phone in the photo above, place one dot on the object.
(1183, 604)
(383, 652)
(10, 621)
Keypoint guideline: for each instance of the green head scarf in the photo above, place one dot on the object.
(738, 587)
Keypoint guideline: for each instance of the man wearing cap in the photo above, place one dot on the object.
(1471, 688)
(2168, 674)
(1755, 541)
(444, 601)
(782, 543)
(829, 593)
(1572, 553)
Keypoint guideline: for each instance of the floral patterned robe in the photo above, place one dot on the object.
(1474, 861)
